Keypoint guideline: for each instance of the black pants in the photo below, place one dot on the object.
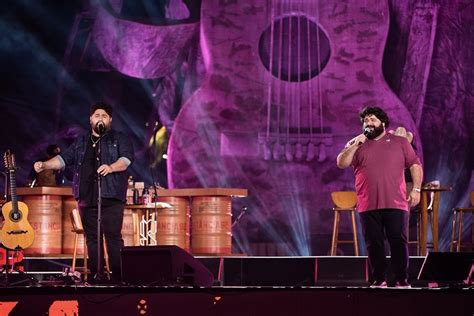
(393, 224)
(112, 219)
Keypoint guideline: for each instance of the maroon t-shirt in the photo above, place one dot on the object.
(378, 168)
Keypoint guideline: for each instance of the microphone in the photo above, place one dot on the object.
(155, 129)
(366, 131)
(100, 128)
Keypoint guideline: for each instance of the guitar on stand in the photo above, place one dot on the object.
(17, 233)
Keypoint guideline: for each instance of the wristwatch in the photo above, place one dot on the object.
(416, 190)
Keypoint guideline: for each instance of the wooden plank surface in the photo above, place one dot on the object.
(236, 192)
(44, 191)
(203, 192)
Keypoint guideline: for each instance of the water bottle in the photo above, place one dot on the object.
(136, 196)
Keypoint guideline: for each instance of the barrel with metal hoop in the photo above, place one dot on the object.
(211, 223)
(172, 223)
(45, 218)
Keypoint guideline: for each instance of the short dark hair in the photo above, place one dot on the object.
(103, 106)
(377, 112)
(51, 149)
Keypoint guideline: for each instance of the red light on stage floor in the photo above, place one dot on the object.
(6, 307)
(142, 307)
(64, 308)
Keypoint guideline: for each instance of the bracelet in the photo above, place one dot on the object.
(416, 190)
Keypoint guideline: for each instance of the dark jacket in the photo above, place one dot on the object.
(114, 145)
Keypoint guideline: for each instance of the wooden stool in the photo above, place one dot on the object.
(414, 213)
(78, 229)
(417, 214)
(457, 225)
(344, 201)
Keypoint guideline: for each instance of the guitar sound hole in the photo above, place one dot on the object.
(15, 216)
(297, 60)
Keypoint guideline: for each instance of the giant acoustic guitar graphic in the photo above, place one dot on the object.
(17, 232)
(284, 84)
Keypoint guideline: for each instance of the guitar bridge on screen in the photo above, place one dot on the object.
(291, 146)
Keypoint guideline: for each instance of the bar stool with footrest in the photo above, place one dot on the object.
(457, 225)
(78, 229)
(344, 201)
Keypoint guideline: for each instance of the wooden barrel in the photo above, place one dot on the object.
(45, 218)
(69, 203)
(172, 224)
(127, 228)
(211, 223)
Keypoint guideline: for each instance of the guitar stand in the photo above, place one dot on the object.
(6, 273)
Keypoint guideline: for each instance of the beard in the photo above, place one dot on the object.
(375, 132)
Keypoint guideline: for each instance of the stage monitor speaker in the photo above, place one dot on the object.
(163, 265)
(269, 271)
(341, 271)
(446, 267)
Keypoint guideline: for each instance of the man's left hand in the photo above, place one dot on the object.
(414, 198)
(105, 170)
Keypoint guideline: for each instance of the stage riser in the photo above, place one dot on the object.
(262, 271)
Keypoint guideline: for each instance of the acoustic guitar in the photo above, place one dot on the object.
(17, 232)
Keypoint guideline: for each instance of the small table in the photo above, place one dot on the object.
(434, 217)
(144, 230)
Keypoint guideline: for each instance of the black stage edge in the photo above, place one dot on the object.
(80, 300)
(255, 271)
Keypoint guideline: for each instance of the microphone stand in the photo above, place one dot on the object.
(242, 213)
(99, 210)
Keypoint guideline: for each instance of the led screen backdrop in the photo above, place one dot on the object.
(254, 94)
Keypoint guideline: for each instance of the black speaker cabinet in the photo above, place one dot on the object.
(163, 265)
(269, 271)
(341, 271)
(446, 267)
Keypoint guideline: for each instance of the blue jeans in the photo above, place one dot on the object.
(392, 224)
(112, 219)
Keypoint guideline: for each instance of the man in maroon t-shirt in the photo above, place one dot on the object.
(379, 160)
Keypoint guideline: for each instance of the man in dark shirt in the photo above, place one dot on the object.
(103, 153)
(379, 160)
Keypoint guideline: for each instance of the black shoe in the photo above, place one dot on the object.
(99, 279)
(402, 284)
(379, 284)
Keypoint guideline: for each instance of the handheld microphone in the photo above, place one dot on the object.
(366, 131)
(100, 128)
